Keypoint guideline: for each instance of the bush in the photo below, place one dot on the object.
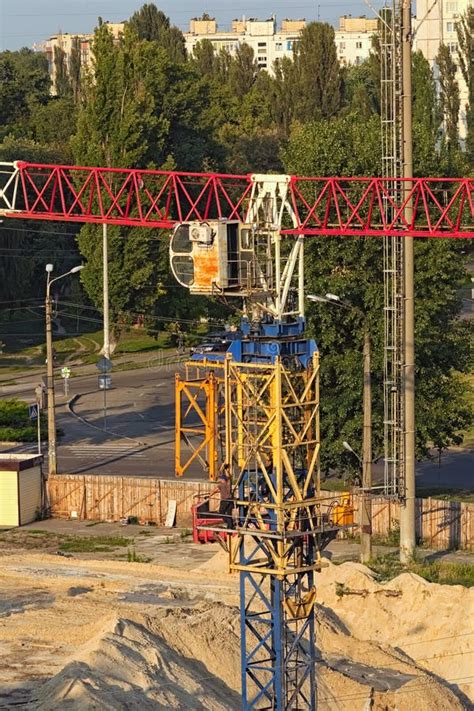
(15, 424)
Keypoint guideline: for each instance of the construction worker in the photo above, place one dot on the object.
(226, 500)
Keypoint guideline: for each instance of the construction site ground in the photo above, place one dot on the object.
(103, 616)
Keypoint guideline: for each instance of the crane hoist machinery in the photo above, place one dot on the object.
(254, 409)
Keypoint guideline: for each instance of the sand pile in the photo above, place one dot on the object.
(432, 624)
(114, 635)
(190, 659)
(129, 666)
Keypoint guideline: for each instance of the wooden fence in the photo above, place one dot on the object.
(441, 525)
(111, 498)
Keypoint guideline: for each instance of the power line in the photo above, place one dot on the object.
(43, 232)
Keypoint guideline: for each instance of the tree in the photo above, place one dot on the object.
(449, 94)
(352, 268)
(349, 267)
(361, 84)
(75, 69)
(13, 104)
(117, 127)
(426, 118)
(317, 74)
(62, 82)
(465, 31)
(151, 24)
(243, 70)
(24, 86)
(204, 58)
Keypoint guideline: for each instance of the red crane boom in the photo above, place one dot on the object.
(443, 207)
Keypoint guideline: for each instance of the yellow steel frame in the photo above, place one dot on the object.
(196, 424)
(272, 429)
(198, 409)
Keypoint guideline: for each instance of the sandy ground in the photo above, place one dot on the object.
(101, 634)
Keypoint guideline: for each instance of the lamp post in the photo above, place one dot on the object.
(52, 459)
(105, 268)
(366, 512)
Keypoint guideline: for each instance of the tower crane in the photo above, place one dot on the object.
(244, 236)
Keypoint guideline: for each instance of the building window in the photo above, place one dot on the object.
(262, 44)
(451, 6)
(289, 44)
(278, 46)
(453, 47)
(342, 46)
(450, 26)
(358, 60)
(358, 45)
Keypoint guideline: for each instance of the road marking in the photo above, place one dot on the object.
(100, 451)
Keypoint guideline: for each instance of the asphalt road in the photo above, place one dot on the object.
(131, 433)
(138, 439)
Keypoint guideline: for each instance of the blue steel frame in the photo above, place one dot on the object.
(278, 651)
(278, 645)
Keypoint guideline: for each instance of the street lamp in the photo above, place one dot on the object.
(52, 460)
(366, 513)
(347, 446)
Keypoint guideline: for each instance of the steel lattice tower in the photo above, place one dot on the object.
(393, 250)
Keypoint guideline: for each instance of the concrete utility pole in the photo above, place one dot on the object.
(366, 507)
(52, 463)
(366, 512)
(407, 509)
(105, 266)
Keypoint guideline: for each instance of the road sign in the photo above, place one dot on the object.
(105, 382)
(40, 394)
(65, 372)
(104, 365)
(33, 411)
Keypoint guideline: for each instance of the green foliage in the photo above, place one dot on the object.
(62, 83)
(92, 544)
(317, 77)
(243, 71)
(352, 268)
(465, 35)
(151, 24)
(449, 93)
(15, 425)
(388, 567)
(134, 557)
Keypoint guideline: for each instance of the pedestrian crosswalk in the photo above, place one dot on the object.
(90, 451)
(108, 449)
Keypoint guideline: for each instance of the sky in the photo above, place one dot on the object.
(24, 22)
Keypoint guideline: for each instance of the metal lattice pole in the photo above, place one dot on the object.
(393, 248)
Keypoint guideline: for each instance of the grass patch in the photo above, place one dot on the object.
(466, 496)
(93, 544)
(391, 539)
(445, 573)
(134, 557)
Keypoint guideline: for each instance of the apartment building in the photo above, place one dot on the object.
(66, 42)
(435, 24)
(354, 38)
(267, 41)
